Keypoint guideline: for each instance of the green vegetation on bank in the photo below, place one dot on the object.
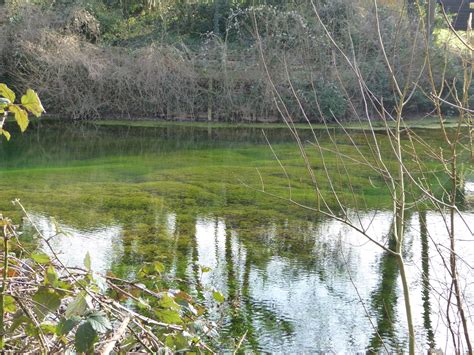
(421, 123)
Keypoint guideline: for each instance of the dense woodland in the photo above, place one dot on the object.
(203, 60)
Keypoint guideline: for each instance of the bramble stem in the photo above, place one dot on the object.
(3, 288)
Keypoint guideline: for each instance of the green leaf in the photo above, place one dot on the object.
(87, 261)
(85, 338)
(31, 329)
(158, 267)
(21, 116)
(32, 103)
(51, 277)
(48, 328)
(169, 316)
(41, 258)
(66, 325)
(5, 133)
(177, 342)
(99, 322)
(168, 302)
(46, 301)
(78, 306)
(9, 305)
(204, 268)
(143, 304)
(218, 296)
(7, 93)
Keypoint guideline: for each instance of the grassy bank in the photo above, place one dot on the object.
(420, 123)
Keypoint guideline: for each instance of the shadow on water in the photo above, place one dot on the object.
(384, 301)
(425, 291)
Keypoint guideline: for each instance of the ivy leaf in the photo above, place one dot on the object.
(41, 258)
(5, 133)
(99, 322)
(21, 116)
(32, 103)
(46, 301)
(87, 261)
(66, 325)
(78, 306)
(218, 296)
(7, 93)
(85, 338)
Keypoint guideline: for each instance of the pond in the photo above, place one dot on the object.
(189, 197)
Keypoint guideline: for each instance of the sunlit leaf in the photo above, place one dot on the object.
(32, 103)
(218, 296)
(21, 116)
(158, 267)
(7, 93)
(168, 302)
(99, 322)
(204, 268)
(41, 258)
(85, 338)
(9, 305)
(51, 276)
(87, 261)
(31, 329)
(169, 316)
(5, 133)
(45, 301)
(48, 328)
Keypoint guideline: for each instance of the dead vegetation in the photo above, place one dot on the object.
(221, 78)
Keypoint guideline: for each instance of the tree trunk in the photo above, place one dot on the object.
(430, 18)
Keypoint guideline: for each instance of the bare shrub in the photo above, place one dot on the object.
(221, 78)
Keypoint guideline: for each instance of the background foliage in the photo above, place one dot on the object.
(200, 59)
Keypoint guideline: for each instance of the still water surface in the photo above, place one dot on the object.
(293, 280)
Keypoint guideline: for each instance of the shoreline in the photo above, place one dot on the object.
(412, 123)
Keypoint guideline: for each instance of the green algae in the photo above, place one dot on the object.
(89, 177)
(113, 172)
